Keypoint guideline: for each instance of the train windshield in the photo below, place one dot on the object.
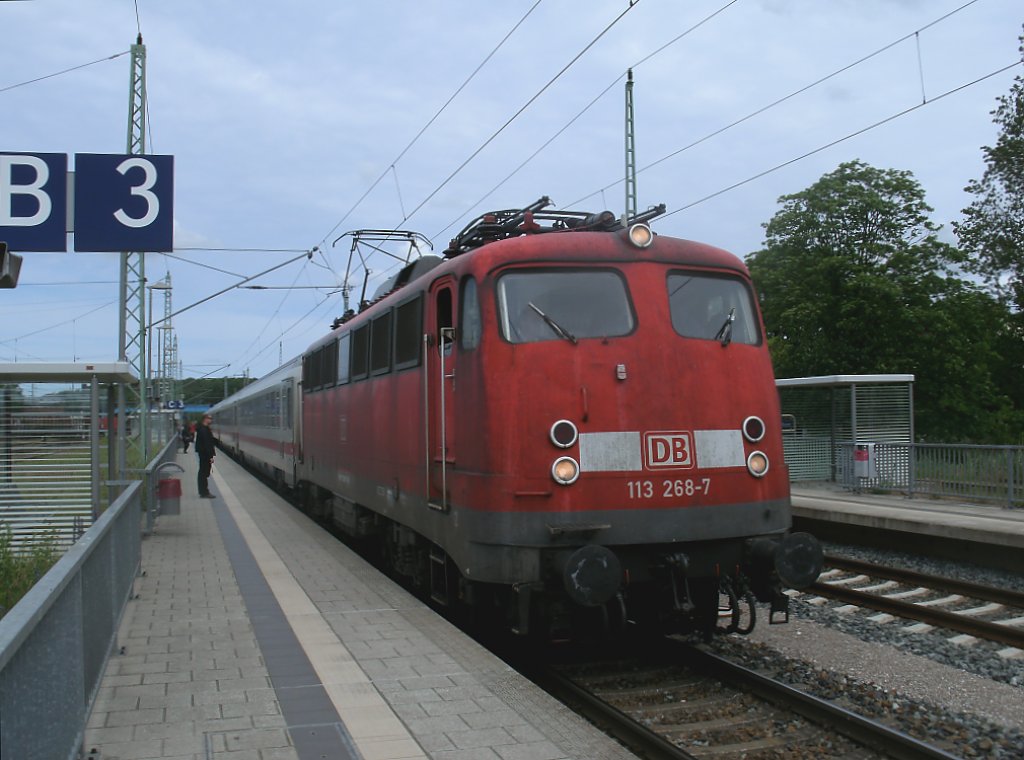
(712, 308)
(563, 305)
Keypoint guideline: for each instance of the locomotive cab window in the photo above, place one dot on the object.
(712, 307)
(554, 304)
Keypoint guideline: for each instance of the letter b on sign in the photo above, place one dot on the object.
(668, 450)
(33, 201)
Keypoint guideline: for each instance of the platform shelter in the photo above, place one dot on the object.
(52, 426)
(832, 426)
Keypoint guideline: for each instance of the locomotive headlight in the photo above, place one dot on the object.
(753, 429)
(640, 235)
(757, 464)
(565, 470)
(564, 434)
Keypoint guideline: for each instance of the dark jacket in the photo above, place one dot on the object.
(204, 442)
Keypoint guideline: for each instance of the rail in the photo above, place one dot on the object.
(55, 642)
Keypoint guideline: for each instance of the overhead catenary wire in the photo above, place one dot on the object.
(785, 98)
(522, 109)
(586, 108)
(430, 121)
(842, 139)
(242, 355)
(222, 291)
(55, 325)
(296, 323)
(64, 71)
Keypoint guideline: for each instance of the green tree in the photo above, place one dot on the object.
(210, 390)
(992, 230)
(853, 279)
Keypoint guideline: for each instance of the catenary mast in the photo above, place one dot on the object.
(131, 345)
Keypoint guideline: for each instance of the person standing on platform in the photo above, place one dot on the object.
(205, 451)
(186, 437)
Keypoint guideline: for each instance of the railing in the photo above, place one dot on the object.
(959, 471)
(55, 642)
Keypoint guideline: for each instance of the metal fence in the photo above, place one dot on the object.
(959, 471)
(55, 642)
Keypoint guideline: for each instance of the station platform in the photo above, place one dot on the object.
(256, 634)
(957, 529)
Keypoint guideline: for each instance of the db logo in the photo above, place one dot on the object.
(663, 450)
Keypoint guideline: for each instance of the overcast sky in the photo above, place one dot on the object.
(282, 116)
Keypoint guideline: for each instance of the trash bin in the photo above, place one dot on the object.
(168, 493)
(864, 463)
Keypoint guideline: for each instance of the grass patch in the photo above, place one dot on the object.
(21, 567)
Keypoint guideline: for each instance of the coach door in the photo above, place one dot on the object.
(439, 386)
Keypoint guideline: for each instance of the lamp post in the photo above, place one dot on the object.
(165, 285)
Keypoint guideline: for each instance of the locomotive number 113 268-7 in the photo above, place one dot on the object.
(650, 489)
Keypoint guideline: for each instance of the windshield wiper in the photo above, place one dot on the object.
(724, 333)
(559, 330)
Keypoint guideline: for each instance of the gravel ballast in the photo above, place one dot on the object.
(966, 699)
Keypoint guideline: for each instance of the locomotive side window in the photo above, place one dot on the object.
(328, 363)
(553, 304)
(316, 374)
(408, 333)
(470, 314)
(380, 344)
(712, 307)
(360, 352)
(344, 356)
(307, 373)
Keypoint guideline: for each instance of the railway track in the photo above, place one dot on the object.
(689, 703)
(982, 612)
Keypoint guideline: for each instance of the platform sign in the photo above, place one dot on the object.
(121, 202)
(124, 203)
(33, 201)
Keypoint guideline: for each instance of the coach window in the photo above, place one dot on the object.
(469, 330)
(408, 333)
(360, 352)
(712, 307)
(344, 356)
(553, 304)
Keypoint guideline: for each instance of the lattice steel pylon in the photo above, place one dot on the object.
(168, 343)
(630, 152)
(131, 345)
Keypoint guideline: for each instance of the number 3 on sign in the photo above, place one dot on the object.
(143, 190)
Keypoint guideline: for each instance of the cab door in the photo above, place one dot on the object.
(440, 369)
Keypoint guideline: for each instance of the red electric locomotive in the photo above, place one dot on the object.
(565, 422)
